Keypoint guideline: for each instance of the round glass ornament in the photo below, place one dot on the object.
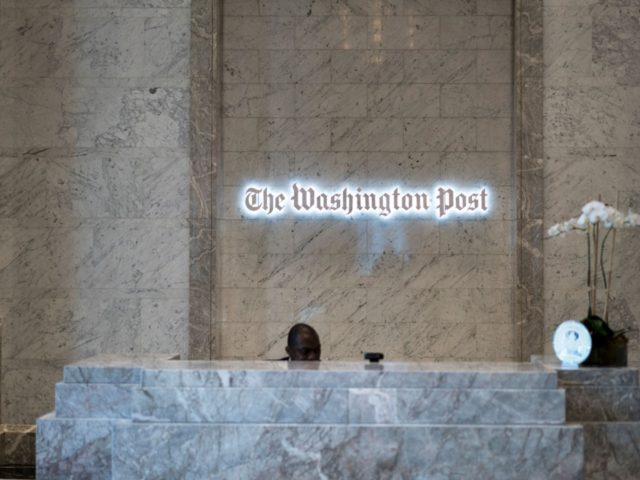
(572, 343)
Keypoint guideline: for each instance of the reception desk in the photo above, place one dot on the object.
(149, 418)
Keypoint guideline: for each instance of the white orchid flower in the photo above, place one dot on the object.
(555, 230)
(581, 222)
(632, 219)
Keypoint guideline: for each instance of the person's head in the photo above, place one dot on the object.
(303, 343)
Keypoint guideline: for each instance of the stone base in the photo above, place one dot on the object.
(612, 450)
(17, 444)
(141, 418)
(606, 402)
(122, 450)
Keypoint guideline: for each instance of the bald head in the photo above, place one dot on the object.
(303, 343)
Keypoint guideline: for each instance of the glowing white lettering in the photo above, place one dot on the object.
(347, 201)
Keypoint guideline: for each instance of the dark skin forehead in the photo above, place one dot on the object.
(304, 345)
(306, 339)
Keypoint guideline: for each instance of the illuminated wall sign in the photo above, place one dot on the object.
(440, 202)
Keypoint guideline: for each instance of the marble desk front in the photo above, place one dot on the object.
(151, 418)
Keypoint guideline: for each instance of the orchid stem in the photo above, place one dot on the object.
(604, 241)
(589, 270)
(610, 273)
(595, 266)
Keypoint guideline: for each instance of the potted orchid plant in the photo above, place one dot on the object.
(600, 223)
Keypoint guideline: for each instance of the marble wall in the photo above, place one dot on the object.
(592, 146)
(370, 93)
(94, 176)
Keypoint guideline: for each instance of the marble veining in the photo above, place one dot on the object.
(408, 92)
(94, 182)
(590, 132)
(441, 420)
(332, 452)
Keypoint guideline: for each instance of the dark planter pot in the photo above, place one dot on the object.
(607, 351)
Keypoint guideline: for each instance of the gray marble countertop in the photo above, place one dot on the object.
(165, 362)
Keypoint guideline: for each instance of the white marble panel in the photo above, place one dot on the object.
(395, 304)
(165, 183)
(350, 340)
(24, 398)
(440, 66)
(495, 66)
(253, 305)
(567, 42)
(164, 327)
(126, 183)
(259, 33)
(258, 100)
(331, 169)
(330, 236)
(294, 66)
(357, 66)
(356, 60)
(50, 257)
(599, 117)
(412, 32)
(570, 63)
(99, 186)
(500, 34)
(293, 134)
(369, 135)
(118, 117)
(464, 32)
(330, 305)
(64, 328)
(25, 192)
(135, 254)
(27, 57)
(399, 306)
(312, 270)
(615, 43)
(242, 66)
(469, 237)
(90, 4)
(400, 100)
(240, 134)
(9, 170)
(78, 44)
(494, 7)
(331, 100)
(8, 253)
(413, 169)
(506, 348)
(241, 7)
(258, 167)
(299, 8)
(256, 236)
(439, 7)
(341, 33)
(402, 236)
(238, 270)
(503, 207)
(32, 118)
(496, 271)
(476, 100)
(366, 7)
(232, 204)
(441, 271)
(494, 134)
(491, 168)
(440, 134)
